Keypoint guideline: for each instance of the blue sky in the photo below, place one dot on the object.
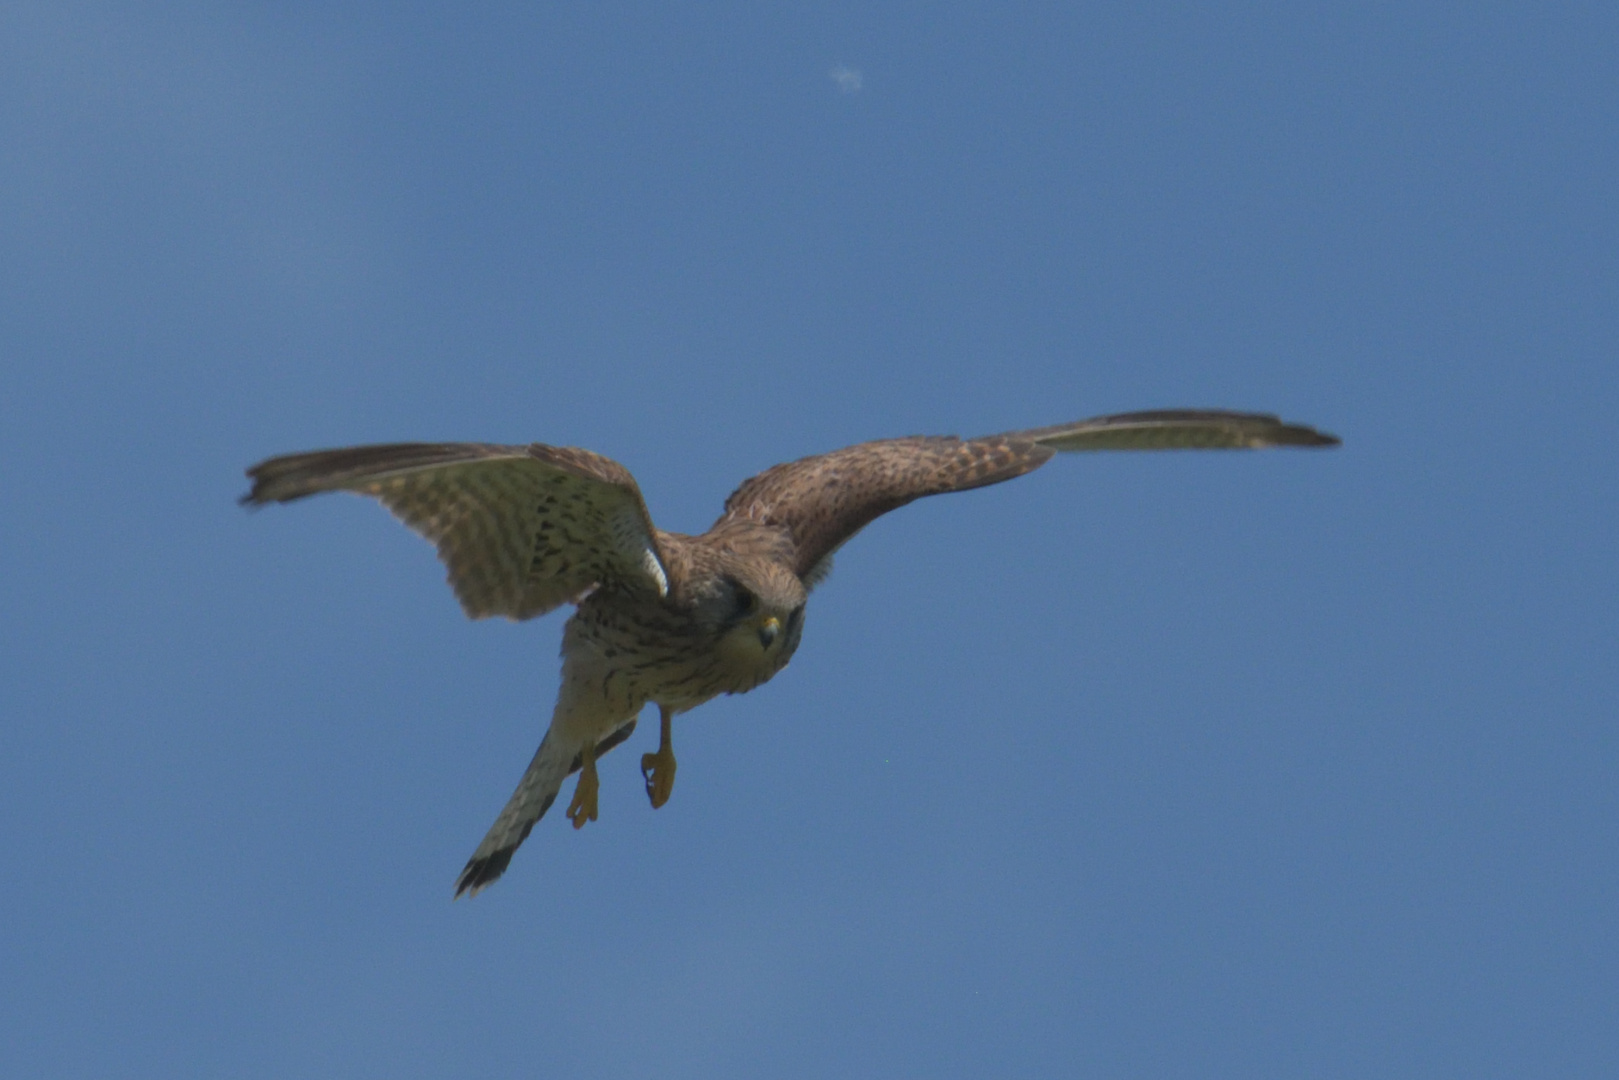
(1160, 766)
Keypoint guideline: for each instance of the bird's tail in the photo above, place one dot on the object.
(553, 762)
(534, 795)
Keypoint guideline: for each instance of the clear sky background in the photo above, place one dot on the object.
(1242, 765)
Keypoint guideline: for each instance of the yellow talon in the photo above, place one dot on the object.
(583, 806)
(658, 770)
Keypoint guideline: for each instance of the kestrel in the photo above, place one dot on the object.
(664, 617)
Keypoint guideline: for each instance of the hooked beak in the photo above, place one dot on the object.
(769, 630)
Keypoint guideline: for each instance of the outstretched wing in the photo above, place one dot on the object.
(522, 529)
(822, 501)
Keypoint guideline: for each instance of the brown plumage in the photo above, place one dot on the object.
(664, 617)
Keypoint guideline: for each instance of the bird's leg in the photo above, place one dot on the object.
(658, 770)
(583, 806)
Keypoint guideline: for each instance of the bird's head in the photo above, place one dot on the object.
(757, 608)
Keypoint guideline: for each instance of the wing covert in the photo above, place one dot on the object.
(824, 500)
(521, 529)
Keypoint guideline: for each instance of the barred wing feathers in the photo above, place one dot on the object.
(824, 500)
(522, 529)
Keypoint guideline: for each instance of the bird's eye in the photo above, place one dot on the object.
(792, 620)
(746, 603)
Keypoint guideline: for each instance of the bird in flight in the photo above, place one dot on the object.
(664, 617)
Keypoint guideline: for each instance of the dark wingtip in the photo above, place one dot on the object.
(259, 494)
(1299, 435)
(250, 499)
(480, 873)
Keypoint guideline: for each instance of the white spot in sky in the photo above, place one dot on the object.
(847, 78)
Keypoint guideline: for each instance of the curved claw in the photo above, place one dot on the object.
(658, 770)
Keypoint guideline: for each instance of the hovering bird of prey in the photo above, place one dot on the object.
(664, 617)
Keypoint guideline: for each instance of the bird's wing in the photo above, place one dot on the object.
(522, 529)
(822, 501)
(1176, 429)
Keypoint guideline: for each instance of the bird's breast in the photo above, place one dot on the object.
(653, 653)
